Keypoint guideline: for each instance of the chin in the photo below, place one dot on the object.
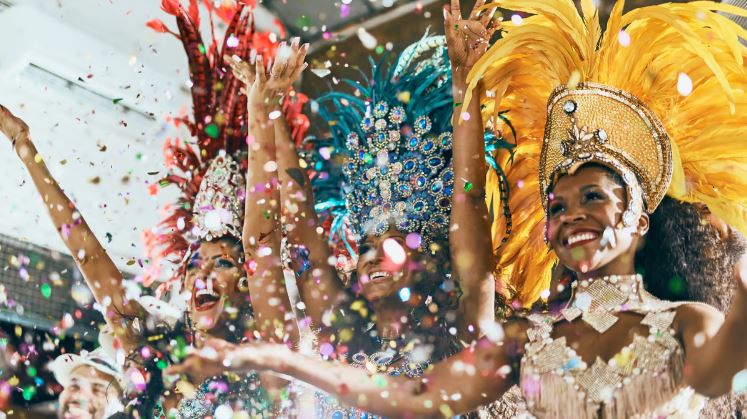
(206, 320)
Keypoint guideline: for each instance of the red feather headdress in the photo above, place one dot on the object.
(219, 113)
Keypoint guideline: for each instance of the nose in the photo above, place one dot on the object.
(573, 214)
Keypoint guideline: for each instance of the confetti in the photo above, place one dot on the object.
(684, 84)
(368, 40)
(46, 291)
(467, 186)
(117, 100)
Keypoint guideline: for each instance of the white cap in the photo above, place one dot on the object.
(64, 365)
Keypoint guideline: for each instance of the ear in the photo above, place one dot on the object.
(643, 224)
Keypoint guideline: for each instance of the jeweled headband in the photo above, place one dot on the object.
(596, 123)
(399, 179)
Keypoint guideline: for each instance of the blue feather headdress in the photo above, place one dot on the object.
(387, 162)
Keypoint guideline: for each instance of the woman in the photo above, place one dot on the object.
(400, 324)
(606, 160)
(219, 233)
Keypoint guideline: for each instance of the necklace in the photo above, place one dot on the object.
(596, 300)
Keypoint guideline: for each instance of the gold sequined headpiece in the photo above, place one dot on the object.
(659, 92)
(596, 123)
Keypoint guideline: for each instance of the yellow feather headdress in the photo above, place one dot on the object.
(682, 62)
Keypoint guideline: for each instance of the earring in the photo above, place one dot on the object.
(243, 284)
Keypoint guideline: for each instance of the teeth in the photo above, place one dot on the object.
(206, 291)
(581, 237)
(379, 274)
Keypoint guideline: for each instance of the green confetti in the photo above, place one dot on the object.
(29, 392)
(202, 48)
(117, 100)
(303, 21)
(367, 158)
(468, 186)
(46, 291)
(457, 104)
(212, 130)
(162, 364)
(138, 156)
(380, 381)
(31, 371)
(380, 49)
(266, 214)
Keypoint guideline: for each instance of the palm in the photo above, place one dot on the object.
(468, 38)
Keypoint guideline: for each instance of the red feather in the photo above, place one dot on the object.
(171, 6)
(194, 13)
(158, 26)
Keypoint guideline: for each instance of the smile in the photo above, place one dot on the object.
(205, 299)
(580, 238)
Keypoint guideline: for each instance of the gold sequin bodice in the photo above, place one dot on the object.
(642, 380)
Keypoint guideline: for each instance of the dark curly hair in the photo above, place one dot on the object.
(691, 262)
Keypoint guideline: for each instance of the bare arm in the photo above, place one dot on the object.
(319, 283)
(474, 377)
(261, 236)
(100, 272)
(715, 346)
(469, 237)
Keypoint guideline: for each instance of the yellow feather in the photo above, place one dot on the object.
(708, 127)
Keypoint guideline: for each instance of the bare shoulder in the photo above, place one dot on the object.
(694, 317)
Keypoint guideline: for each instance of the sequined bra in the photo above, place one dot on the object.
(643, 380)
(229, 393)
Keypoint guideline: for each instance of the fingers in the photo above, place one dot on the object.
(476, 10)
(261, 74)
(456, 9)
(487, 17)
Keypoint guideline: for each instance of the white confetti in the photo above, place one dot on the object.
(684, 84)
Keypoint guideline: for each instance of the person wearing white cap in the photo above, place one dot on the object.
(92, 382)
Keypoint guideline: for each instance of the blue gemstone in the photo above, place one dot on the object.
(444, 202)
(361, 154)
(337, 415)
(403, 189)
(413, 142)
(384, 170)
(409, 165)
(420, 181)
(428, 146)
(436, 186)
(448, 176)
(434, 162)
(447, 191)
(419, 206)
(422, 123)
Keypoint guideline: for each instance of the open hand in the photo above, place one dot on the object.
(275, 81)
(218, 356)
(13, 127)
(468, 39)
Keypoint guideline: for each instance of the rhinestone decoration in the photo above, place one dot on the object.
(569, 107)
(218, 209)
(648, 362)
(408, 184)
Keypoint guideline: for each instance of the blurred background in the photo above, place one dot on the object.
(98, 88)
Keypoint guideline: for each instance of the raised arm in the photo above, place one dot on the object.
(474, 377)
(318, 282)
(100, 272)
(469, 238)
(261, 236)
(715, 346)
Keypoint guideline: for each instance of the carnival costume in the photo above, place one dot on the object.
(390, 167)
(208, 170)
(659, 98)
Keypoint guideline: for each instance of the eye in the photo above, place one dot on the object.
(224, 263)
(593, 196)
(556, 209)
(364, 248)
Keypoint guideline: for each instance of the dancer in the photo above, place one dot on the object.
(397, 203)
(207, 233)
(604, 161)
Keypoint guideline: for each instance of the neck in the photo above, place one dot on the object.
(389, 315)
(618, 268)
